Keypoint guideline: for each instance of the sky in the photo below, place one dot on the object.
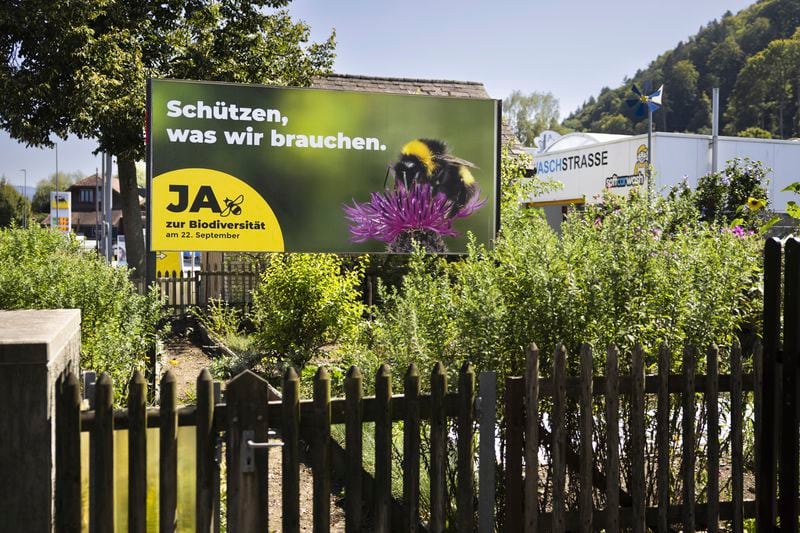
(571, 48)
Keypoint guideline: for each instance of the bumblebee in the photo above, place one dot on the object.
(428, 161)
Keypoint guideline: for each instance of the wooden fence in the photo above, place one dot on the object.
(247, 409)
(182, 290)
(536, 425)
(653, 401)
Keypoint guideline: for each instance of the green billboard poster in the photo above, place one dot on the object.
(254, 168)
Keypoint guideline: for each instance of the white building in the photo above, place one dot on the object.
(588, 163)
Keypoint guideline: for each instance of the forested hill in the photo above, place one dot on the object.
(753, 57)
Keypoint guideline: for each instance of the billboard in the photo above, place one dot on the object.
(255, 168)
(60, 210)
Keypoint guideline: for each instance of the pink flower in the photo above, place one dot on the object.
(393, 212)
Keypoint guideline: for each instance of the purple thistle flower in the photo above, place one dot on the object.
(391, 213)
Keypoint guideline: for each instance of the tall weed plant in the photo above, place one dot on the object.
(42, 269)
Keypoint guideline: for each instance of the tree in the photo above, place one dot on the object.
(530, 114)
(41, 197)
(680, 100)
(754, 132)
(81, 67)
(14, 208)
(766, 85)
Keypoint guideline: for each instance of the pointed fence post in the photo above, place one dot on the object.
(290, 429)
(767, 399)
(321, 451)
(466, 415)
(411, 452)
(137, 453)
(438, 448)
(101, 450)
(383, 449)
(168, 455)
(353, 448)
(612, 439)
(488, 460)
(559, 439)
(247, 397)
(68, 456)
(206, 440)
(586, 503)
(531, 440)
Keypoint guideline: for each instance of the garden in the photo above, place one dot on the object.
(683, 268)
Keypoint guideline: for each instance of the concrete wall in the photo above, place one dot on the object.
(36, 348)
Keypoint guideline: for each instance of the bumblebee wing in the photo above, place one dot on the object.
(449, 158)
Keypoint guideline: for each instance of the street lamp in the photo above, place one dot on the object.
(25, 192)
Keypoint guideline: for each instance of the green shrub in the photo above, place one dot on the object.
(304, 303)
(41, 269)
(622, 272)
(220, 319)
(727, 197)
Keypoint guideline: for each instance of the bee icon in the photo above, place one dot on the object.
(429, 161)
(233, 207)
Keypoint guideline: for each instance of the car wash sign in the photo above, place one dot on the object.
(584, 172)
(254, 168)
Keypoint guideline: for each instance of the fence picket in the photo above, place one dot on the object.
(101, 511)
(205, 449)
(532, 440)
(290, 458)
(68, 456)
(663, 438)
(137, 453)
(322, 452)
(586, 503)
(559, 438)
(174, 294)
(464, 494)
(353, 448)
(637, 439)
(789, 460)
(712, 438)
(515, 396)
(383, 449)
(487, 454)
(767, 392)
(411, 456)
(737, 456)
(612, 439)
(168, 455)
(438, 448)
(182, 284)
(688, 459)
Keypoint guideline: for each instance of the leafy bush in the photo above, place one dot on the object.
(736, 196)
(41, 269)
(305, 302)
(622, 272)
